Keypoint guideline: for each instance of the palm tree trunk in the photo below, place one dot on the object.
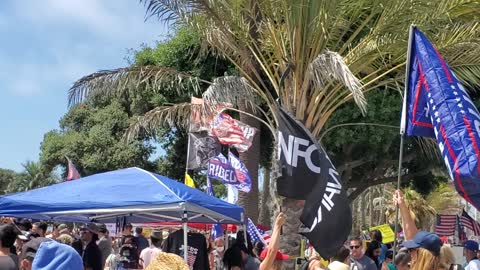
(290, 239)
(251, 158)
(265, 208)
(371, 192)
(362, 209)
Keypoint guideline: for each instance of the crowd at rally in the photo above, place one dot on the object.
(26, 246)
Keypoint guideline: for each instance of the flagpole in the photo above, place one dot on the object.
(402, 130)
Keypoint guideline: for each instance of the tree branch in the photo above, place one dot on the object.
(360, 186)
(353, 164)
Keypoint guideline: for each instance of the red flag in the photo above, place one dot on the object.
(72, 171)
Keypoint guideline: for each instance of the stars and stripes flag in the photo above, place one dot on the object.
(461, 231)
(469, 223)
(446, 225)
(72, 173)
(437, 105)
(256, 234)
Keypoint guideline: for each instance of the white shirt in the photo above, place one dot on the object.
(473, 265)
(149, 254)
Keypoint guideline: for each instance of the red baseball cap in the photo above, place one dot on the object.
(280, 256)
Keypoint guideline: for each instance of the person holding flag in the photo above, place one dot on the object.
(437, 105)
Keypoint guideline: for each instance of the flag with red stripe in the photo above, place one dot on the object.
(446, 225)
(437, 105)
(469, 223)
(72, 173)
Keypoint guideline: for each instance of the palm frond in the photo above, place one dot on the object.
(330, 66)
(231, 89)
(172, 116)
(172, 10)
(429, 148)
(111, 82)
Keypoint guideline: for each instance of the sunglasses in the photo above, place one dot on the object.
(354, 247)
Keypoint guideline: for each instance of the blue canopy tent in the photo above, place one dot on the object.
(137, 194)
(133, 193)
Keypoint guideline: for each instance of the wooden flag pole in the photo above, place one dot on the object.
(402, 131)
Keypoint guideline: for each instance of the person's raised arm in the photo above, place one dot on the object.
(274, 245)
(408, 224)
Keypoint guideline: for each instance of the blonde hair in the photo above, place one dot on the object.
(447, 258)
(167, 261)
(425, 260)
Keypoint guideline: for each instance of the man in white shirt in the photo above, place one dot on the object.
(470, 250)
(148, 255)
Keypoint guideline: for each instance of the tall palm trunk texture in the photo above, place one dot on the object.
(251, 158)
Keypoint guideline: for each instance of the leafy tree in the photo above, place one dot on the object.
(92, 137)
(6, 177)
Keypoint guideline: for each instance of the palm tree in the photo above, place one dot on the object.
(423, 213)
(445, 199)
(33, 176)
(308, 56)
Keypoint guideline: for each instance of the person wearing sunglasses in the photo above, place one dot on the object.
(359, 260)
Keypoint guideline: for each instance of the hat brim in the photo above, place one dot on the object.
(411, 244)
(282, 257)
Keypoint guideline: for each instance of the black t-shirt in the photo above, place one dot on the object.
(91, 255)
(9, 262)
(197, 249)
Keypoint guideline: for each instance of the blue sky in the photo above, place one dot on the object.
(45, 46)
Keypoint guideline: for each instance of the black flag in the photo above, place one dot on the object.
(308, 173)
(200, 149)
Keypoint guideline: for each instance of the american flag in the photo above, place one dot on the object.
(461, 231)
(469, 223)
(257, 234)
(72, 171)
(446, 225)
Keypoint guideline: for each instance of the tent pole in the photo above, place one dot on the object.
(185, 236)
(244, 230)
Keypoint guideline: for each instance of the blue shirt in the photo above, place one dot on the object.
(381, 258)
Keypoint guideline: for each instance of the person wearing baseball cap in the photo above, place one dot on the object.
(87, 247)
(470, 249)
(150, 253)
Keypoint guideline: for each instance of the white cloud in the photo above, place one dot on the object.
(108, 19)
(52, 43)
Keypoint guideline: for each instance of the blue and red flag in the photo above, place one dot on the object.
(437, 105)
(230, 171)
(72, 173)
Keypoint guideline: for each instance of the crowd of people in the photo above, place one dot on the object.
(26, 246)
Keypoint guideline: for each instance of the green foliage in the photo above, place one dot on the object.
(445, 199)
(378, 146)
(6, 177)
(33, 176)
(92, 137)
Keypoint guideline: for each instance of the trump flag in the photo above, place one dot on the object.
(437, 105)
